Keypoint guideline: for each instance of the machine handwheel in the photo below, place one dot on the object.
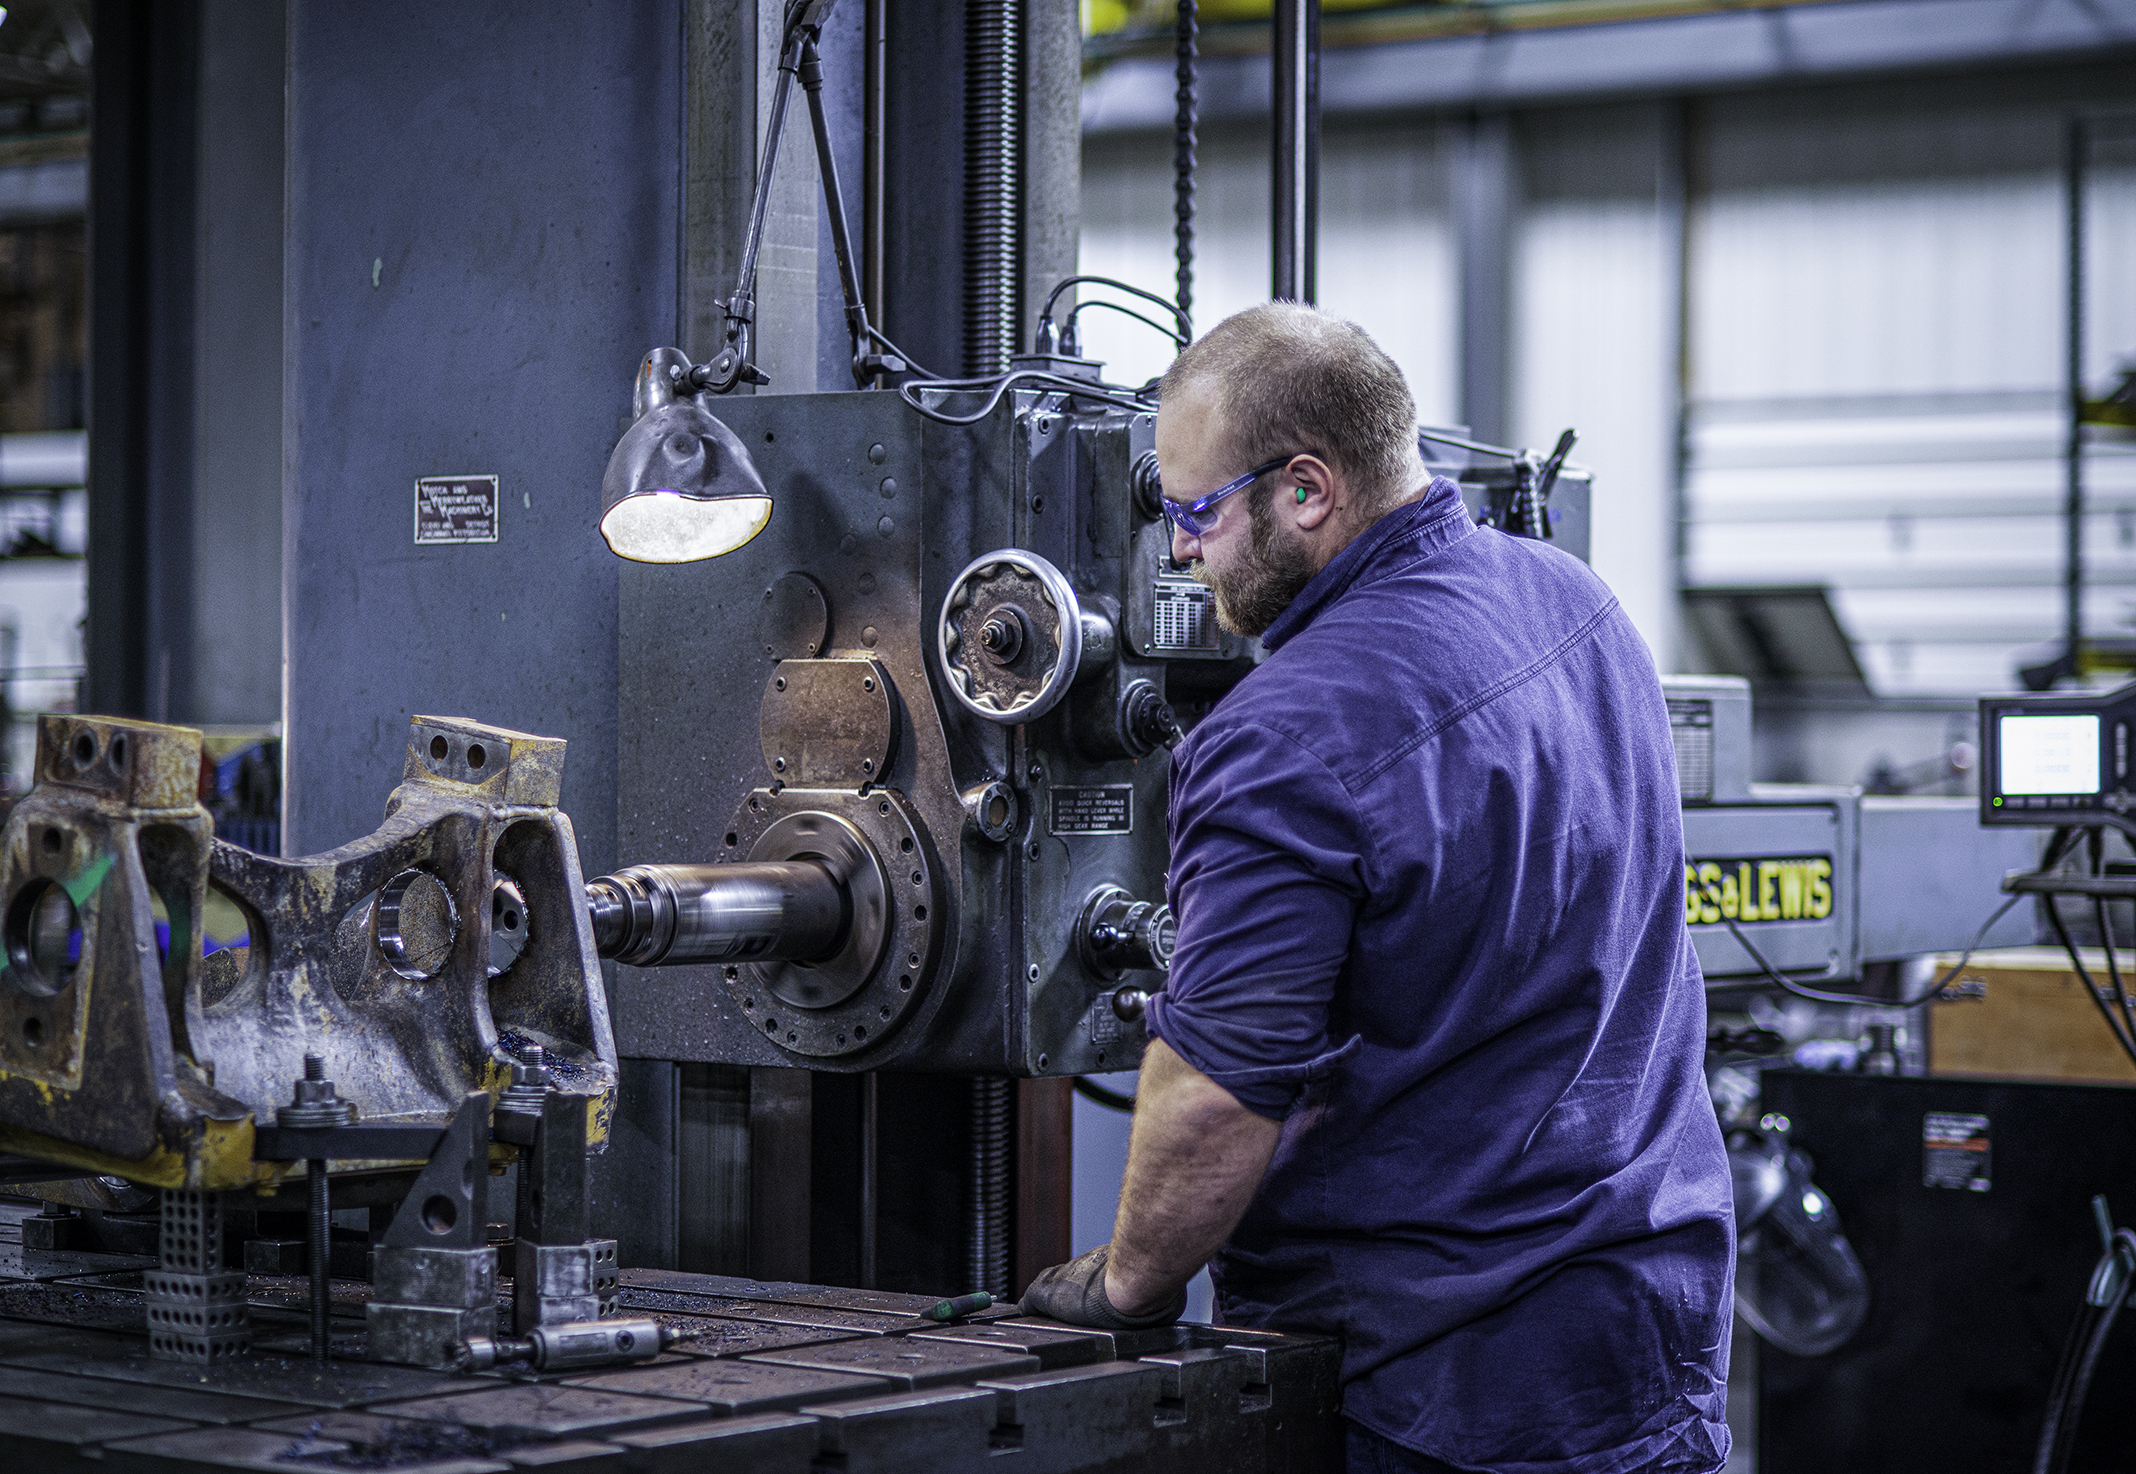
(1010, 637)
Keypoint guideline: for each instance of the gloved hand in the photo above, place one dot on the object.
(1075, 1292)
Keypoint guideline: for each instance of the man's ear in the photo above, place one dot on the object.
(1312, 492)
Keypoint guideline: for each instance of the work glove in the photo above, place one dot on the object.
(1075, 1292)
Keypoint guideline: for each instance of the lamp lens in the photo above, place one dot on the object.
(668, 527)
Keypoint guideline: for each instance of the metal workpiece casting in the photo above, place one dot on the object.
(413, 964)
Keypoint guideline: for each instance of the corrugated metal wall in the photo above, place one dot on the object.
(1876, 361)
(1873, 300)
(1386, 259)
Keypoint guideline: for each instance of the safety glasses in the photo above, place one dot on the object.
(1194, 518)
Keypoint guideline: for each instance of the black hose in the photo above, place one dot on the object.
(1185, 37)
(2081, 1352)
(1096, 1094)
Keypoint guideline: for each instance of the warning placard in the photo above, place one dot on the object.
(1955, 1151)
(1107, 808)
(456, 509)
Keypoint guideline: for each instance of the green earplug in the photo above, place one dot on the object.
(1301, 496)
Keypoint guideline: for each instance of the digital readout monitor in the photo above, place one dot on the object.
(2058, 758)
(2047, 754)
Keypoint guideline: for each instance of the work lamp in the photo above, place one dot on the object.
(680, 487)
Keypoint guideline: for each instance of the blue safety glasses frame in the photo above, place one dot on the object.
(1193, 519)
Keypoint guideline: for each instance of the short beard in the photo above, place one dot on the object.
(1252, 594)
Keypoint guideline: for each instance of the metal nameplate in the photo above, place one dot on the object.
(456, 509)
(1182, 616)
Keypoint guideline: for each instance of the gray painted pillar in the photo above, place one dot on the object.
(1053, 153)
(732, 56)
(141, 322)
(1485, 195)
(186, 392)
(236, 666)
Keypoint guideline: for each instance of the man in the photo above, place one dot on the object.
(1427, 1071)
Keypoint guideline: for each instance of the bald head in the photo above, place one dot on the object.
(1285, 378)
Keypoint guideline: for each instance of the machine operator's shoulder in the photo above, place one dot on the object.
(1307, 711)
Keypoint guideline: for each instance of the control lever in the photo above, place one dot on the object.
(1529, 513)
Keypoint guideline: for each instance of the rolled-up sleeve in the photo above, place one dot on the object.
(1268, 873)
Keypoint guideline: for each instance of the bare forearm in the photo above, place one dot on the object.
(1194, 1160)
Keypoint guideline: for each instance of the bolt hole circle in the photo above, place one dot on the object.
(52, 841)
(919, 913)
(33, 1032)
(905, 845)
(860, 1031)
(118, 751)
(733, 839)
(904, 984)
(84, 749)
(438, 748)
(476, 756)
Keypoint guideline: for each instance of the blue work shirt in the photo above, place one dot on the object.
(1427, 862)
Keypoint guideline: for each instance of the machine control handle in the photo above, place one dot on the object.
(669, 915)
(1119, 933)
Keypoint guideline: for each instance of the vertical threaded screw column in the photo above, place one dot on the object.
(319, 1223)
(993, 178)
(987, 1221)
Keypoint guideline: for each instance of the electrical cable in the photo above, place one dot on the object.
(994, 388)
(2118, 1025)
(1076, 310)
(2113, 970)
(1096, 1094)
(1186, 323)
(1855, 999)
(911, 365)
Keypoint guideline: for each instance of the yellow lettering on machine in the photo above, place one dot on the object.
(1759, 891)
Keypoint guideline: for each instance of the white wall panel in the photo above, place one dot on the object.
(1593, 341)
(1882, 287)
(1877, 352)
(1385, 259)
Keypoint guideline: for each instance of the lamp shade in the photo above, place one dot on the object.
(680, 486)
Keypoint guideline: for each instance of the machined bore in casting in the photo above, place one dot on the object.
(667, 915)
